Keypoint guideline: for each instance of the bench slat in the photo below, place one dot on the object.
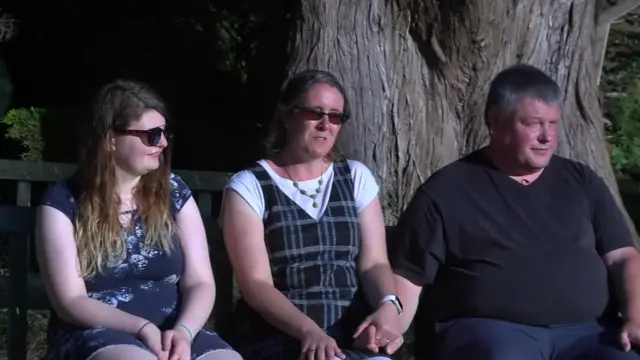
(19, 223)
(37, 298)
(17, 220)
(18, 297)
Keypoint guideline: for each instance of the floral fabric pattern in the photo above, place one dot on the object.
(144, 283)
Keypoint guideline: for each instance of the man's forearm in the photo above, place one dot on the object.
(409, 294)
(628, 287)
(197, 304)
(378, 282)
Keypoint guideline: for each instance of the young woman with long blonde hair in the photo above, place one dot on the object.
(122, 246)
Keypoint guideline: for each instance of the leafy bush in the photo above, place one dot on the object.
(624, 132)
(25, 127)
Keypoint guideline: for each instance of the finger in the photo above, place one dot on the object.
(371, 339)
(186, 354)
(384, 336)
(624, 341)
(338, 352)
(320, 353)
(175, 352)
(163, 355)
(388, 336)
(156, 348)
(371, 335)
(167, 337)
(361, 327)
(311, 354)
(394, 345)
(381, 341)
(303, 351)
(330, 351)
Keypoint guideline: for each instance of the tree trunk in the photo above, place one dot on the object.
(417, 73)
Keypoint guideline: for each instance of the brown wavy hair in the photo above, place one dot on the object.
(293, 95)
(98, 232)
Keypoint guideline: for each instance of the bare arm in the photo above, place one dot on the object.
(375, 271)
(197, 284)
(624, 266)
(410, 295)
(615, 244)
(418, 252)
(244, 239)
(57, 257)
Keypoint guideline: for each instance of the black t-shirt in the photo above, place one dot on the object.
(491, 247)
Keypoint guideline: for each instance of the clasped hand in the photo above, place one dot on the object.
(380, 330)
(172, 344)
(630, 335)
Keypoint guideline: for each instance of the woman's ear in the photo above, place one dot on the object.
(110, 142)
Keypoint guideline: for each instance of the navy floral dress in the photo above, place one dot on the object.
(144, 284)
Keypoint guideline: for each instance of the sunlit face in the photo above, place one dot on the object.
(530, 134)
(138, 149)
(309, 131)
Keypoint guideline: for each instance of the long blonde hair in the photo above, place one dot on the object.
(98, 232)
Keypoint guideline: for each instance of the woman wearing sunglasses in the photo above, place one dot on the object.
(122, 246)
(304, 231)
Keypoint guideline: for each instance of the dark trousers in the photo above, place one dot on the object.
(487, 339)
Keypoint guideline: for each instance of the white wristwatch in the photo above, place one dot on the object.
(394, 300)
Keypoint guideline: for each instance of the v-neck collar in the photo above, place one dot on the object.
(486, 160)
(328, 187)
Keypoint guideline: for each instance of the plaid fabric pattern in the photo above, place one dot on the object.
(313, 263)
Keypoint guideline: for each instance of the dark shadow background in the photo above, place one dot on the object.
(218, 64)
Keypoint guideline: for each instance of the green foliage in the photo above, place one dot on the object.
(236, 34)
(25, 127)
(624, 137)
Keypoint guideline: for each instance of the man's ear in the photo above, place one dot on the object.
(493, 120)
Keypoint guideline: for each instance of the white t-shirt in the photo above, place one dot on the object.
(246, 185)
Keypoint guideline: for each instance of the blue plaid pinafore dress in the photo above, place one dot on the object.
(314, 264)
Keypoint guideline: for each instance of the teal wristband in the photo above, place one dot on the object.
(186, 328)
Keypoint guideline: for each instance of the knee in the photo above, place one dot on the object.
(122, 352)
(487, 351)
(488, 340)
(226, 354)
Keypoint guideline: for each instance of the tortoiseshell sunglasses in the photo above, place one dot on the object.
(149, 137)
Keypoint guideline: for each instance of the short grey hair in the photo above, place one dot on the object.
(519, 82)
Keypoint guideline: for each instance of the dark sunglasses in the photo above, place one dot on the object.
(149, 137)
(336, 118)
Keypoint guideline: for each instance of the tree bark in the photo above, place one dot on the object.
(417, 73)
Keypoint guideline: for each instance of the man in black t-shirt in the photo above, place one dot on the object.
(519, 247)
